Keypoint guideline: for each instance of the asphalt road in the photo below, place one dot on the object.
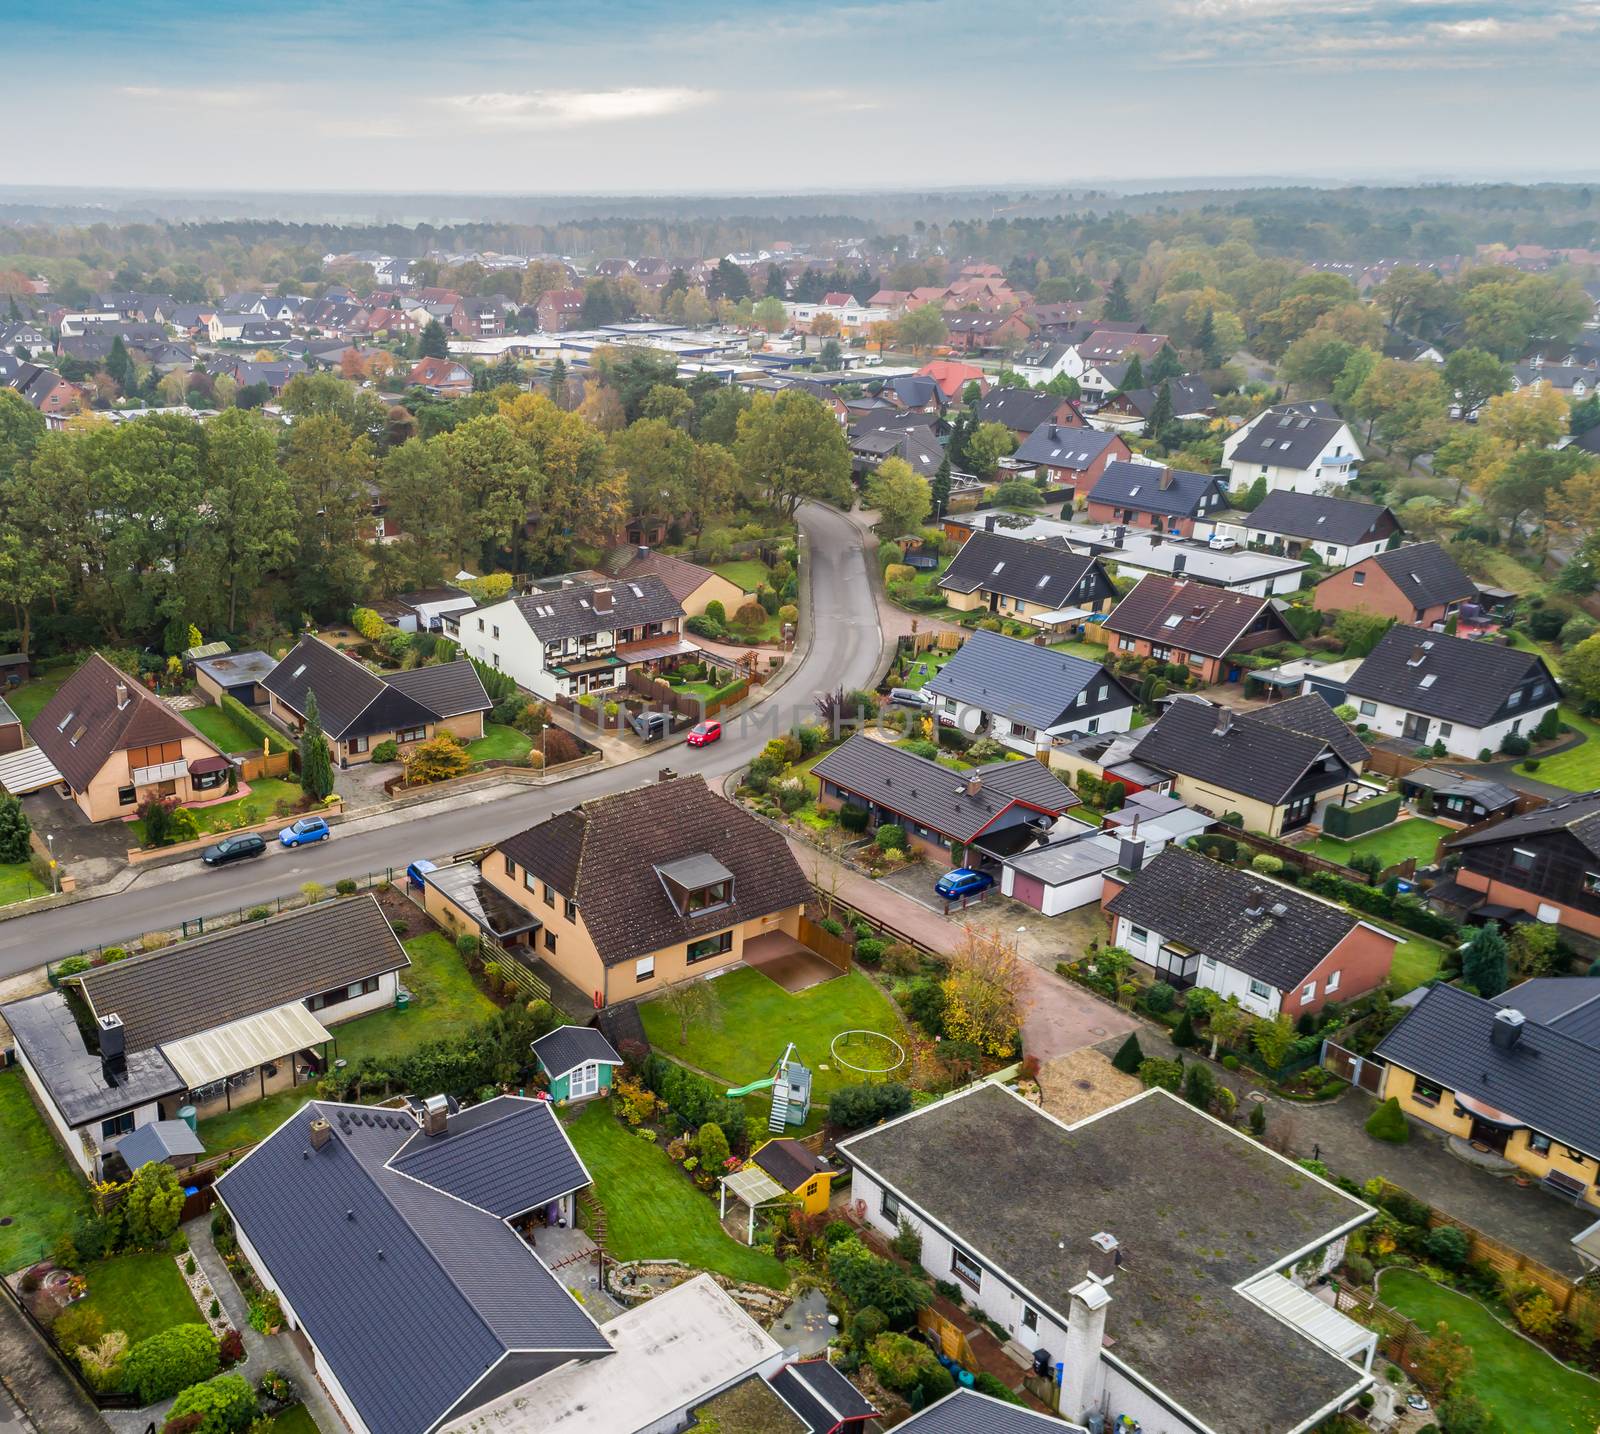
(845, 649)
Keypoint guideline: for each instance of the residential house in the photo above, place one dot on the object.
(1170, 500)
(442, 378)
(1130, 411)
(1025, 695)
(238, 675)
(1072, 458)
(1106, 344)
(1575, 382)
(1022, 410)
(43, 387)
(953, 378)
(478, 318)
(1543, 864)
(1044, 360)
(1032, 582)
(578, 1063)
(23, 333)
(1311, 716)
(802, 1174)
(581, 638)
(433, 609)
(117, 745)
(965, 1411)
(276, 374)
(1299, 448)
(359, 709)
(215, 1022)
(559, 309)
(1338, 531)
(1084, 1259)
(1195, 625)
(1220, 761)
(1519, 1082)
(636, 891)
(1415, 583)
(984, 332)
(1457, 797)
(1426, 687)
(915, 393)
(993, 810)
(693, 587)
(1272, 947)
(871, 442)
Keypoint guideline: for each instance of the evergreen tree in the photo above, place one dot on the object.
(316, 763)
(1183, 1034)
(1254, 496)
(1160, 419)
(14, 830)
(1133, 379)
(940, 487)
(960, 433)
(434, 343)
(1129, 1055)
(1167, 365)
(119, 364)
(1118, 306)
(558, 379)
(775, 286)
(1483, 966)
(1205, 339)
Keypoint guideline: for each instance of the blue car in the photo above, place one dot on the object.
(304, 831)
(963, 882)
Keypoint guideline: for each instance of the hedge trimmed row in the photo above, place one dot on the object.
(256, 725)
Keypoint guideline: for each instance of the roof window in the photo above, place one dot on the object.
(300, 669)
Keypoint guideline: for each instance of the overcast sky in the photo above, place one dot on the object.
(643, 95)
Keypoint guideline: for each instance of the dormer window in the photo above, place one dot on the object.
(696, 884)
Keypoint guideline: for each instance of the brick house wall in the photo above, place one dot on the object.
(1365, 587)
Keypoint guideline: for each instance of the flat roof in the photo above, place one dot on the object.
(463, 883)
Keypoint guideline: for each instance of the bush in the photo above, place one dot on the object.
(925, 1004)
(1514, 744)
(866, 1279)
(1166, 1074)
(870, 950)
(1267, 865)
(160, 1366)
(1129, 1056)
(928, 751)
(909, 1367)
(891, 837)
(853, 1106)
(1388, 1123)
(266, 1314)
(1184, 1036)
(712, 1145)
(225, 1404)
(853, 818)
(1160, 998)
(1447, 1246)
(1230, 1062)
(386, 750)
(1359, 1268)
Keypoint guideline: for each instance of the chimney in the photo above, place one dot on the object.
(321, 1133)
(1054, 432)
(1105, 1254)
(1180, 561)
(974, 785)
(666, 774)
(1507, 1028)
(113, 1046)
(1082, 1368)
(122, 695)
(602, 599)
(644, 550)
(989, 522)
(435, 1115)
(1118, 536)
(1224, 722)
(1130, 854)
(1166, 480)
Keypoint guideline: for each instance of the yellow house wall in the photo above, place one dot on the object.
(1258, 816)
(715, 588)
(965, 602)
(98, 801)
(468, 726)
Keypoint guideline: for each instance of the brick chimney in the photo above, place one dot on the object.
(1166, 479)
(974, 785)
(602, 599)
(122, 695)
(321, 1133)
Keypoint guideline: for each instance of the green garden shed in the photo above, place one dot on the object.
(578, 1061)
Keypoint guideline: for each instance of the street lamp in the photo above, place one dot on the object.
(55, 871)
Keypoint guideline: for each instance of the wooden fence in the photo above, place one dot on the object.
(274, 764)
(1393, 764)
(1399, 1339)
(835, 950)
(1362, 1071)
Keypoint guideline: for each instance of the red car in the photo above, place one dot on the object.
(702, 734)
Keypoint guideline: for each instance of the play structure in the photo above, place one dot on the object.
(790, 1084)
(868, 1053)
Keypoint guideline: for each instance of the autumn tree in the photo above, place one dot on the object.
(922, 329)
(250, 518)
(1473, 377)
(1532, 416)
(1405, 405)
(989, 443)
(900, 496)
(791, 449)
(330, 473)
(981, 991)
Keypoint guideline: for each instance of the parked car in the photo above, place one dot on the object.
(651, 726)
(305, 831)
(703, 734)
(910, 697)
(963, 882)
(234, 848)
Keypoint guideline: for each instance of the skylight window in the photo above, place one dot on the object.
(636, 590)
(301, 668)
(1429, 680)
(61, 726)
(1174, 620)
(997, 568)
(1044, 581)
(1133, 492)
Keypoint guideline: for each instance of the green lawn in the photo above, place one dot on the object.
(1523, 1387)
(28, 700)
(652, 1211)
(501, 743)
(1416, 959)
(265, 794)
(752, 1019)
(1092, 651)
(222, 729)
(444, 1002)
(1415, 836)
(748, 573)
(17, 882)
(140, 1294)
(294, 1421)
(915, 677)
(39, 1189)
(1577, 770)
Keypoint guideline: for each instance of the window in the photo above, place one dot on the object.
(1030, 1317)
(549, 940)
(1309, 993)
(495, 657)
(1369, 709)
(511, 868)
(1359, 578)
(644, 968)
(1081, 700)
(585, 1080)
(1522, 859)
(1538, 1144)
(571, 909)
(703, 898)
(342, 994)
(1137, 935)
(410, 734)
(811, 1189)
(1094, 724)
(495, 633)
(117, 1125)
(965, 1267)
(1591, 883)
(1426, 1092)
(1260, 990)
(480, 624)
(889, 1207)
(1332, 982)
(549, 894)
(358, 744)
(126, 796)
(706, 948)
(1124, 644)
(1446, 728)
(529, 880)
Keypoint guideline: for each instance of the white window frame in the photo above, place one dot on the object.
(960, 1257)
(1309, 992)
(1332, 983)
(583, 1080)
(1259, 990)
(644, 969)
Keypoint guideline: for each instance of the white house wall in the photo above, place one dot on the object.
(69, 1137)
(379, 1000)
(1063, 896)
(1461, 741)
(1210, 973)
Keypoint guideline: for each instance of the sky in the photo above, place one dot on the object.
(646, 96)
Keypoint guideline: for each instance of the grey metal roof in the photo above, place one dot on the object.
(1232, 915)
(1491, 796)
(1037, 573)
(694, 871)
(506, 1156)
(968, 1412)
(1153, 489)
(571, 612)
(1471, 680)
(158, 1141)
(1056, 446)
(200, 984)
(568, 1047)
(1569, 1004)
(446, 689)
(409, 1294)
(1325, 520)
(1546, 1079)
(1071, 859)
(1020, 680)
(73, 1075)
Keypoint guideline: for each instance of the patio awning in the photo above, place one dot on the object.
(244, 1044)
(589, 664)
(201, 765)
(27, 771)
(753, 1186)
(1484, 1111)
(655, 648)
(1313, 1317)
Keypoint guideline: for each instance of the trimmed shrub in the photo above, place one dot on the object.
(870, 950)
(386, 750)
(1514, 744)
(1447, 1246)
(891, 837)
(1388, 1123)
(1160, 997)
(1184, 1034)
(1129, 1056)
(160, 1366)
(225, 1404)
(853, 1106)
(853, 818)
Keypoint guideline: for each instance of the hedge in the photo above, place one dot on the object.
(497, 684)
(692, 1099)
(180, 1356)
(1406, 910)
(1360, 818)
(256, 725)
(853, 1106)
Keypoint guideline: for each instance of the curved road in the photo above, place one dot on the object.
(845, 650)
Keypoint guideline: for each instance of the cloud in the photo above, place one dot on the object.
(568, 109)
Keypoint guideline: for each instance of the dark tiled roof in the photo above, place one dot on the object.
(1253, 758)
(1177, 1315)
(788, 1162)
(1151, 489)
(200, 984)
(1310, 714)
(1546, 1079)
(1223, 912)
(935, 797)
(825, 1386)
(1210, 619)
(446, 689)
(1425, 574)
(408, 1331)
(569, 1046)
(1471, 680)
(1325, 520)
(1286, 440)
(682, 578)
(1020, 680)
(85, 708)
(968, 1412)
(506, 1156)
(351, 699)
(571, 612)
(1044, 576)
(1023, 409)
(1057, 446)
(1569, 1004)
(605, 853)
(1579, 815)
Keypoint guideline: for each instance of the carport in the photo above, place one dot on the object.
(28, 771)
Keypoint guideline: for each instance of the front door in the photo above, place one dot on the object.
(584, 1081)
(1416, 728)
(1494, 1136)
(1298, 812)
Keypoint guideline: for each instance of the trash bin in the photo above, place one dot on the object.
(187, 1116)
(402, 1000)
